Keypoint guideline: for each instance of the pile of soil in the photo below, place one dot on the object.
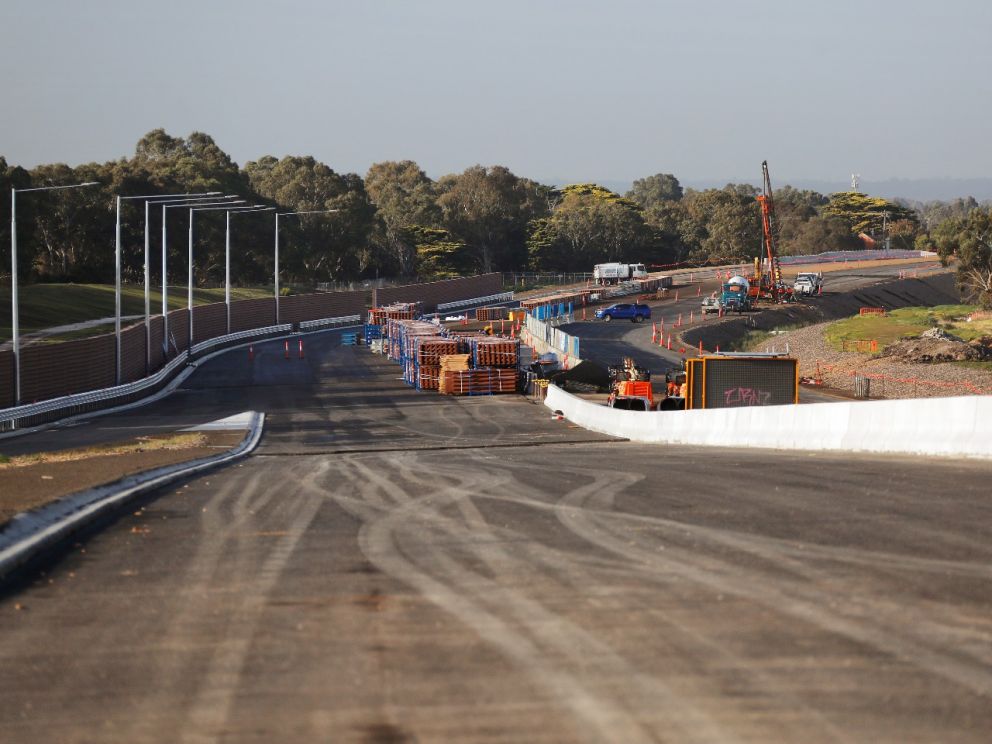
(935, 346)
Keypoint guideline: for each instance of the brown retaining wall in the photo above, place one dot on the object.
(210, 321)
(432, 294)
(6, 379)
(53, 370)
(297, 308)
(248, 314)
(133, 353)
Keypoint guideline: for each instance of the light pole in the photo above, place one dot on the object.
(224, 201)
(276, 272)
(227, 248)
(14, 319)
(149, 199)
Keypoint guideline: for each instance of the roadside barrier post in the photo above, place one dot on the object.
(699, 289)
(676, 295)
(301, 348)
(690, 316)
(286, 349)
(700, 348)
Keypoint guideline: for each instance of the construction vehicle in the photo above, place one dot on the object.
(808, 283)
(614, 273)
(766, 281)
(736, 295)
(630, 387)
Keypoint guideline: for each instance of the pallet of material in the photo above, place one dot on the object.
(396, 311)
(456, 362)
(492, 313)
(428, 378)
(428, 350)
(488, 381)
(495, 352)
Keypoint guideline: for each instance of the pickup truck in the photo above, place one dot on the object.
(634, 312)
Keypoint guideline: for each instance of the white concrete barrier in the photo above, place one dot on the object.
(955, 427)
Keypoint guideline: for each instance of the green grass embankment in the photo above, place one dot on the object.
(907, 322)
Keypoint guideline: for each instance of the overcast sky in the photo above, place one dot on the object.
(557, 91)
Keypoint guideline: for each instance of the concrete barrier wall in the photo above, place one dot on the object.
(249, 314)
(934, 426)
(52, 370)
(133, 359)
(209, 321)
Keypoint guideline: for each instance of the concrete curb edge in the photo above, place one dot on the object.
(31, 533)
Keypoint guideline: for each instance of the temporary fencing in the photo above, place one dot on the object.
(896, 386)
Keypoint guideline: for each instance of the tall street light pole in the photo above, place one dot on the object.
(227, 246)
(14, 317)
(227, 255)
(149, 199)
(276, 272)
(225, 200)
(189, 289)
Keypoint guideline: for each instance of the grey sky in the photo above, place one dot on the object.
(558, 91)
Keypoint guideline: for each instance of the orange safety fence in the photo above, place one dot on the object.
(918, 384)
(860, 344)
(872, 311)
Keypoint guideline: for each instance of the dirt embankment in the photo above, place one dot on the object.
(932, 290)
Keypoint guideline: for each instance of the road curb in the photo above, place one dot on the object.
(30, 534)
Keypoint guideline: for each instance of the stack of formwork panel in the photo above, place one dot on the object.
(426, 356)
(487, 381)
(396, 311)
(495, 352)
(401, 334)
(492, 313)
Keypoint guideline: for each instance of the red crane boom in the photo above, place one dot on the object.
(767, 224)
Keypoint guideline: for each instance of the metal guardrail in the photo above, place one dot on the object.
(309, 325)
(212, 343)
(501, 297)
(70, 405)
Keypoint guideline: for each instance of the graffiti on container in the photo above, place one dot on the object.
(745, 397)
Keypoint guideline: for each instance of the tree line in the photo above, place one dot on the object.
(396, 221)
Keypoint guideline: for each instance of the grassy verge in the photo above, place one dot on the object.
(141, 444)
(907, 322)
(50, 305)
(756, 340)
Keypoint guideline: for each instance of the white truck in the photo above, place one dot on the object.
(808, 283)
(614, 273)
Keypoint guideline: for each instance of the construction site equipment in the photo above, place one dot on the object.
(768, 284)
(736, 295)
(614, 273)
(738, 380)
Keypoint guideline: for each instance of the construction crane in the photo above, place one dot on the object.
(767, 225)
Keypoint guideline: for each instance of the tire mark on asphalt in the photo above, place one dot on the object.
(809, 605)
(212, 704)
(530, 634)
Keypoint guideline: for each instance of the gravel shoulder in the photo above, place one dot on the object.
(28, 486)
